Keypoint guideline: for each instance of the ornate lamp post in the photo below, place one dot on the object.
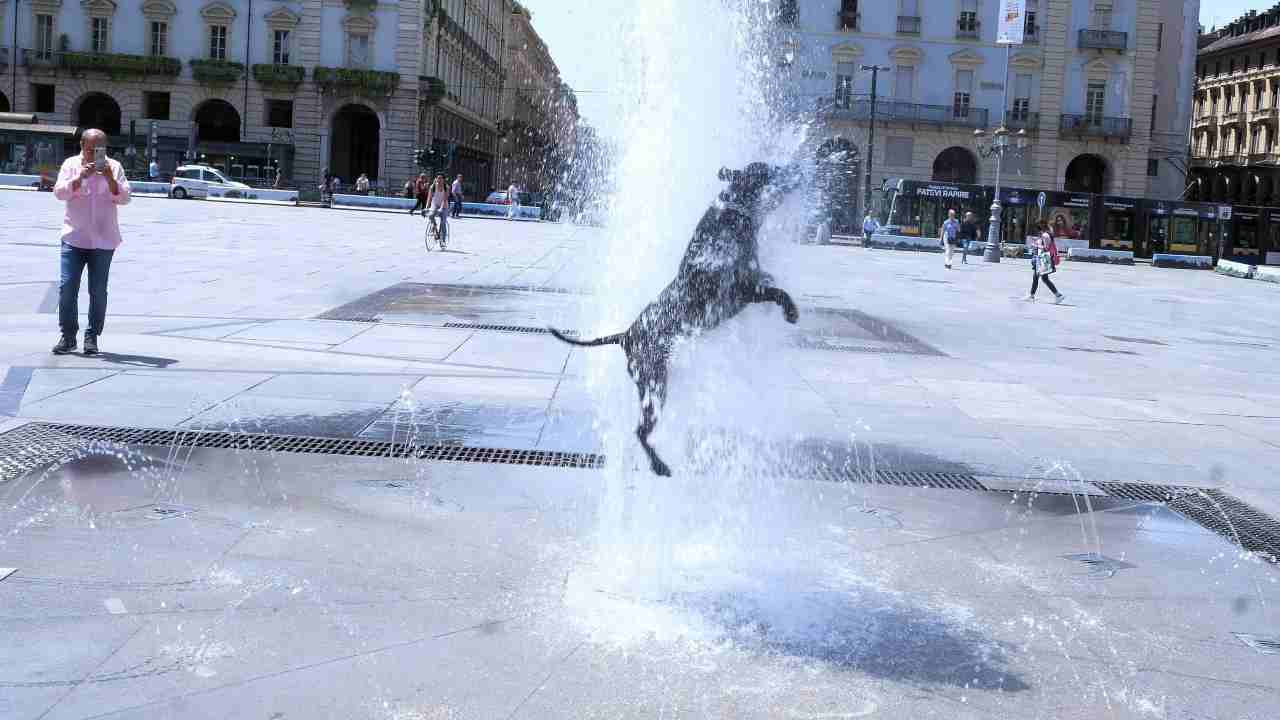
(998, 146)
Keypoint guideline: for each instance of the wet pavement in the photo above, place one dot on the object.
(178, 582)
(191, 582)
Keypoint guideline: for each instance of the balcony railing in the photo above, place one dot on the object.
(1206, 120)
(909, 24)
(847, 20)
(1096, 126)
(1263, 114)
(967, 31)
(115, 65)
(1232, 116)
(1104, 39)
(858, 107)
(1022, 120)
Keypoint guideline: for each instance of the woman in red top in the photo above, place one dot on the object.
(1044, 262)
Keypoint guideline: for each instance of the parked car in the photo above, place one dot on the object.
(500, 198)
(195, 181)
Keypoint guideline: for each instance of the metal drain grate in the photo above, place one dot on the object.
(1233, 519)
(1264, 645)
(1144, 493)
(327, 446)
(904, 478)
(1100, 351)
(32, 446)
(508, 328)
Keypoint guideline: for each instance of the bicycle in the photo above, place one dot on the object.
(435, 237)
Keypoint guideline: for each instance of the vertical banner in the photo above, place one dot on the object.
(1013, 18)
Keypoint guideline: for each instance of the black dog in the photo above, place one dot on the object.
(718, 277)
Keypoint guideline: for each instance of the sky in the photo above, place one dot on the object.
(583, 36)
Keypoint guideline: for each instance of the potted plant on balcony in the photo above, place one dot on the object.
(216, 72)
(286, 76)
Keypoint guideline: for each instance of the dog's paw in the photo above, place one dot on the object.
(660, 468)
(791, 313)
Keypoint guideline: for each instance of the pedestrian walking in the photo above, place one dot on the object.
(513, 201)
(421, 190)
(326, 185)
(279, 182)
(362, 184)
(949, 235)
(456, 192)
(869, 228)
(92, 185)
(969, 232)
(335, 186)
(1044, 262)
(153, 170)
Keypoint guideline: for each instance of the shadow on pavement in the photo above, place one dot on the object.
(136, 360)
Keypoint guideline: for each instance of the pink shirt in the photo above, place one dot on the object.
(90, 222)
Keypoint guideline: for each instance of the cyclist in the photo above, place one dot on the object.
(438, 208)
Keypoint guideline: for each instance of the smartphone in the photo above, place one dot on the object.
(100, 159)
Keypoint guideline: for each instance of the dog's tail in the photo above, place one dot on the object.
(606, 340)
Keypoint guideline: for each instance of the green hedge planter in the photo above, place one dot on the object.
(279, 75)
(216, 72)
(371, 82)
(120, 65)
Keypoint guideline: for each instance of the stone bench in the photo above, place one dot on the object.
(1097, 255)
(1185, 262)
(1235, 269)
(1267, 273)
(905, 242)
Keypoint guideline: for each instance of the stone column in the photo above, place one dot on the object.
(308, 119)
(1055, 22)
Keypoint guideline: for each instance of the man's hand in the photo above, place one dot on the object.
(111, 180)
(85, 171)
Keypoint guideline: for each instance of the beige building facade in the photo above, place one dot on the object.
(307, 86)
(538, 110)
(1235, 157)
(1101, 87)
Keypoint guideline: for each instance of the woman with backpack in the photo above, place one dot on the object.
(1044, 262)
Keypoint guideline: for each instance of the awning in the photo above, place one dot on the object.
(39, 128)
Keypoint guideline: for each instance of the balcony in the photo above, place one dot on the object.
(967, 30)
(1022, 120)
(1263, 114)
(908, 24)
(847, 21)
(1031, 35)
(1206, 120)
(117, 66)
(858, 108)
(1095, 126)
(1103, 40)
(369, 82)
(279, 76)
(1231, 117)
(216, 72)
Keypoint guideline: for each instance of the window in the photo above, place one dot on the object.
(157, 105)
(1102, 14)
(358, 50)
(1153, 167)
(968, 16)
(159, 38)
(218, 42)
(844, 84)
(1022, 97)
(1255, 141)
(280, 113)
(898, 151)
(848, 14)
(1257, 96)
(1231, 66)
(44, 98)
(904, 82)
(1095, 100)
(280, 47)
(44, 37)
(1159, 37)
(963, 94)
(1155, 103)
(100, 35)
(1217, 67)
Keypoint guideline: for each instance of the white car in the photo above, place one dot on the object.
(198, 181)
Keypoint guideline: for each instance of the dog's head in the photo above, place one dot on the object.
(758, 184)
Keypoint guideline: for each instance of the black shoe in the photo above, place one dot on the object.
(65, 345)
(90, 344)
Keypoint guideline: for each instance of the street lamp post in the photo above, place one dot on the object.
(998, 146)
(875, 71)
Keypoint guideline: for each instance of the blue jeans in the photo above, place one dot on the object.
(74, 260)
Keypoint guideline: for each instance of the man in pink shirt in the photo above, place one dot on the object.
(90, 236)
